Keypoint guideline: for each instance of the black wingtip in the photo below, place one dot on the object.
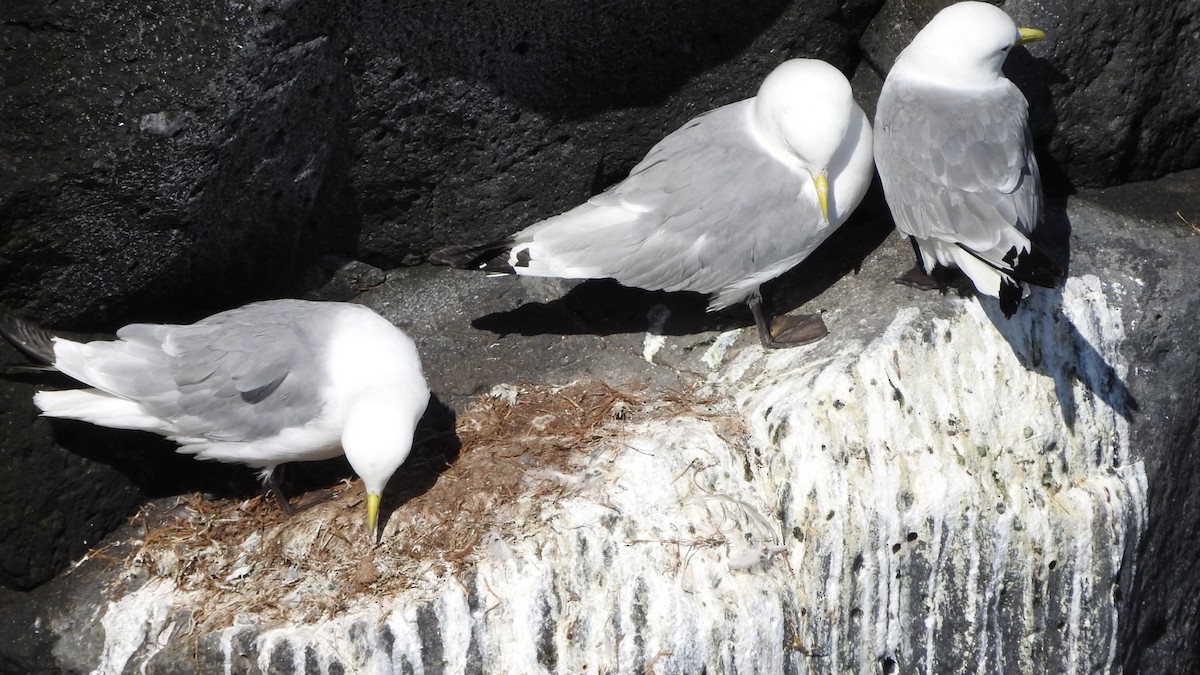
(35, 342)
(491, 257)
(1011, 295)
(1034, 267)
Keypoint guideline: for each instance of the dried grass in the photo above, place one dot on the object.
(246, 557)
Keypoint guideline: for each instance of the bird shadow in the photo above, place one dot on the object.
(151, 463)
(1046, 341)
(435, 447)
(1034, 76)
(605, 307)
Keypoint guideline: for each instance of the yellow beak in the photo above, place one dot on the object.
(1030, 35)
(821, 182)
(372, 514)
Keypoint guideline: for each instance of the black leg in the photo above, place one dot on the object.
(920, 266)
(789, 331)
(289, 509)
(918, 277)
(764, 330)
(273, 484)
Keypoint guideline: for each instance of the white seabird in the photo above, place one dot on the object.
(955, 155)
(271, 382)
(734, 198)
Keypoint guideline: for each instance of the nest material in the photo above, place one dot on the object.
(519, 446)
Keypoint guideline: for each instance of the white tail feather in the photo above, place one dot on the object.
(986, 278)
(97, 407)
(551, 248)
(104, 365)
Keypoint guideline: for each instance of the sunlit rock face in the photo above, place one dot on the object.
(957, 493)
(967, 497)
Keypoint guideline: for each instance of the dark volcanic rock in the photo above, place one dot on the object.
(1111, 89)
(179, 155)
(54, 505)
(165, 154)
(1160, 628)
(474, 119)
(68, 484)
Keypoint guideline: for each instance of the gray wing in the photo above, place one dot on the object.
(706, 208)
(957, 167)
(239, 375)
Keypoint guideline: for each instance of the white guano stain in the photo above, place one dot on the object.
(942, 498)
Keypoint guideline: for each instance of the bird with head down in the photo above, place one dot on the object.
(264, 384)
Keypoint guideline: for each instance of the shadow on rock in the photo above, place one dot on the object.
(1034, 76)
(435, 447)
(1047, 342)
(605, 307)
(151, 462)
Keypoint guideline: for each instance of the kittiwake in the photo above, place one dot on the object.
(271, 382)
(955, 155)
(734, 198)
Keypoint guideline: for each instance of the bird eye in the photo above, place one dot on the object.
(1006, 48)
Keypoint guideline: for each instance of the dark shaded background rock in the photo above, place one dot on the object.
(205, 157)
(1111, 89)
(475, 119)
(166, 154)
(78, 502)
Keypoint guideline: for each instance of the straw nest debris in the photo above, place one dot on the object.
(518, 447)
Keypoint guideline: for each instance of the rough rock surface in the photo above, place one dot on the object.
(162, 160)
(929, 488)
(170, 154)
(1112, 89)
(475, 119)
(166, 154)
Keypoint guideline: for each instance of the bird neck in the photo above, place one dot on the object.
(917, 65)
(767, 132)
(378, 430)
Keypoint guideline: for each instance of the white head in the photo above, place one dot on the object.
(965, 44)
(377, 436)
(806, 106)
